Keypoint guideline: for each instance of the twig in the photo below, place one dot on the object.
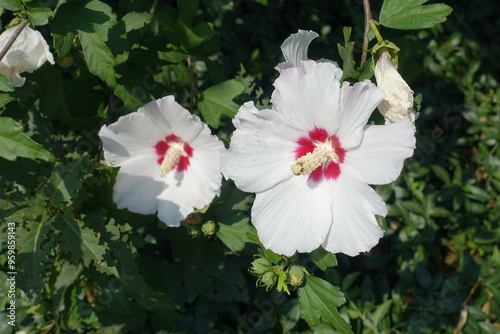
(152, 10)
(368, 21)
(472, 291)
(192, 80)
(12, 39)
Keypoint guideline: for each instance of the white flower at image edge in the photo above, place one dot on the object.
(28, 52)
(169, 162)
(311, 158)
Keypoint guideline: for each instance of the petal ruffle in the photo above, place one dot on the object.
(138, 184)
(197, 186)
(310, 95)
(358, 102)
(355, 204)
(131, 136)
(261, 152)
(295, 47)
(171, 117)
(293, 216)
(380, 156)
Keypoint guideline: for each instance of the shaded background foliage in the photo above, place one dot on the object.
(436, 269)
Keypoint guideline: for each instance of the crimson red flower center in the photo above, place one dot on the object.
(173, 154)
(319, 155)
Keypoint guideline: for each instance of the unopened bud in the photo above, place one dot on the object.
(208, 228)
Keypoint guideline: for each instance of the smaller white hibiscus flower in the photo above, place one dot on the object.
(398, 102)
(28, 52)
(169, 162)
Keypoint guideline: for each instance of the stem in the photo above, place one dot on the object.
(12, 39)
(192, 80)
(152, 10)
(368, 21)
(375, 31)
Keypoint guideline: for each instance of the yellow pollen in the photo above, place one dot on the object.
(312, 160)
(171, 158)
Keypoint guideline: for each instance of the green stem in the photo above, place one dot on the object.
(375, 31)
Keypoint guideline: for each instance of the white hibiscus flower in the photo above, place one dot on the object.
(311, 158)
(169, 162)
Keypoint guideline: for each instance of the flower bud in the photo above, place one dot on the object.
(398, 102)
(260, 265)
(28, 52)
(208, 228)
(296, 275)
(268, 280)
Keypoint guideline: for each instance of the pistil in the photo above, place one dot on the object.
(174, 152)
(322, 153)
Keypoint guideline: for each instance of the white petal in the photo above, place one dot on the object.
(171, 116)
(194, 188)
(132, 135)
(295, 47)
(295, 215)
(354, 227)
(261, 152)
(358, 102)
(138, 185)
(310, 95)
(380, 156)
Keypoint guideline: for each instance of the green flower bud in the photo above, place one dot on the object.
(268, 280)
(260, 265)
(296, 275)
(208, 228)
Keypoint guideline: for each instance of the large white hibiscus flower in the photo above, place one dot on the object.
(169, 162)
(310, 159)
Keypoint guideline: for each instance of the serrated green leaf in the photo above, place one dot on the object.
(39, 16)
(136, 20)
(12, 5)
(5, 84)
(346, 53)
(412, 14)
(80, 241)
(14, 143)
(218, 100)
(233, 232)
(98, 57)
(318, 303)
(62, 185)
(323, 259)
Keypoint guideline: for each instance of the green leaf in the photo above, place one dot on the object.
(39, 16)
(441, 173)
(411, 14)
(5, 98)
(12, 5)
(63, 184)
(5, 84)
(187, 10)
(14, 143)
(381, 311)
(233, 232)
(90, 21)
(32, 256)
(323, 258)
(218, 100)
(346, 53)
(319, 301)
(80, 241)
(136, 20)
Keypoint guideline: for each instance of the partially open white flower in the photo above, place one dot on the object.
(169, 162)
(28, 53)
(398, 102)
(310, 159)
